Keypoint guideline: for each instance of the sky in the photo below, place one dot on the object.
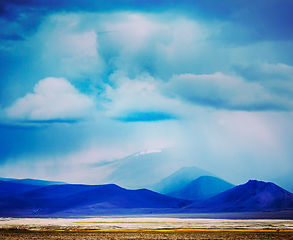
(86, 82)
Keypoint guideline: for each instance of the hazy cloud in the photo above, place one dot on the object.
(277, 78)
(224, 92)
(264, 72)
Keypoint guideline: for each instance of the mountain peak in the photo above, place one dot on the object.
(253, 182)
(255, 185)
(147, 152)
(179, 179)
(251, 196)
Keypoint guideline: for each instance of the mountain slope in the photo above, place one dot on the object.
(58, 198)
(36, 182)
(136, 171)
(253, 196)
(202, 188)
(31, 181)
(179, 179)
(142, 169)
(8, 188)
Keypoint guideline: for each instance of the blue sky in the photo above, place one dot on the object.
(83, 82)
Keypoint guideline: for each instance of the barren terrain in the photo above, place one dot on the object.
(144, 228)
(126, 223)
(54, 235)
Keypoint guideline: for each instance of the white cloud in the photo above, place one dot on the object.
(53, 99)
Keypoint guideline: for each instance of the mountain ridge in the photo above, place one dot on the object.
(252, 196)
(58, 198)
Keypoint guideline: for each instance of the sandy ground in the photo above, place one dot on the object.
(143, 228)
(140, 223)
(53, 235)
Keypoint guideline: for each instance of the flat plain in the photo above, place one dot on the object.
(144, 228)
(138, 234)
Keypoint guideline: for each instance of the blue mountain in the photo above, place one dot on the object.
(36, 182)
(8, 188)
(254, 196)
(179, 180)
(58, 198)
(12, 186)
(202, 188)
(30, 181)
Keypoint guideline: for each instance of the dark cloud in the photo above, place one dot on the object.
(12, 37)
(18, 126)
(34, 125)
(263, 19)
(19, 20)
(146, 117)
(54, 121)
(270, 19)
(2, 9)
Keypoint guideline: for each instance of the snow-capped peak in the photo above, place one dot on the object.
(148, 151)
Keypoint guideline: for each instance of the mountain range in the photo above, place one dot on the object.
(187, 190)
(87, 200)
(159, 170)
(58, 198)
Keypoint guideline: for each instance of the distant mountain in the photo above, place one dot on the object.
(253, 196)
(143, 169)
(179, 179)
(137, 170)
(202, 188)
(58, 198)
(133, 172)
(8, 188)
(30, 181)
